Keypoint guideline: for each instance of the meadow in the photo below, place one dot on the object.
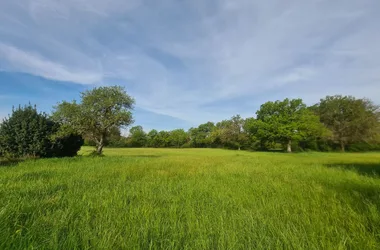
(192, 199)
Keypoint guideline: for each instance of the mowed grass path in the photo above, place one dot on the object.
(192, 199)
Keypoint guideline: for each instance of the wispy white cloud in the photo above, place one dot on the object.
(298, 74)
(34, 64)
(178, 57)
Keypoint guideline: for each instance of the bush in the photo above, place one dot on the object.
(67, 146)
(325, 146)
(27, 133)
(308, 145)
(186, 145)
(363, 147)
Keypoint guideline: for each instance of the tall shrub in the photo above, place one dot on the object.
(28, 133)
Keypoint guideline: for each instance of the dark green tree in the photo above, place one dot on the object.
(27, 133)
(114, 138)
(230, 133)
(201, 136)
(152, 139)
(65, 146)
(177, 138)
(137, 137)
(350, 120)
(163, 139)
(286, 121)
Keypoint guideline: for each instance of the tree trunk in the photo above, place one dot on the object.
(239, 148)
(342, 146)
(99, 149)
(100, 146)
(289, 146)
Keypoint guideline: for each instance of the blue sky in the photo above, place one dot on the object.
(188, 61)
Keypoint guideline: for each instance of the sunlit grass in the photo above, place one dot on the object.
(192, 199)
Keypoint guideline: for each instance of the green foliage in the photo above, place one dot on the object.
(137, 137)
(152, 139)
(162, 139)
(230, 133)
(66, 146)
(177, 138)
(285, 122)
(114, 139)
(101, 110)
(27, 133)
(201, 137)
(281, 125)
(351, 120)
(363, 147)
(192, 199)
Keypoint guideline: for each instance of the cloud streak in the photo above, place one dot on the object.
(187, 59)
(34, 64)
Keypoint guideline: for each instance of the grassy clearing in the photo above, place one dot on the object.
(192, 199)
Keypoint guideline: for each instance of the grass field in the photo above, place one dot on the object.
(192, 199)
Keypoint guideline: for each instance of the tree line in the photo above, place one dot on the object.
(336, 123)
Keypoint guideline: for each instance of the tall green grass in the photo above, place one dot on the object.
(192, 199)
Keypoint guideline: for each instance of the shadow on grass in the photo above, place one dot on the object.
(9, 162)
(362, 197)
(143, 156)
(124, 156)
(367, 169)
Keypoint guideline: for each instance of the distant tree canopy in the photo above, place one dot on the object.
(230, 133)
(152, 139)
(113, 139)
(100, 111)
(349, 119)
(27, 133)
(286, 121)
(335, 123)
(138, 137)
(287, 125)
(200, 137)
(177, 138)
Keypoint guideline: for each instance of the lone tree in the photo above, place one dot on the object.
(286, 121)
(99, 112)
(350, 119)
